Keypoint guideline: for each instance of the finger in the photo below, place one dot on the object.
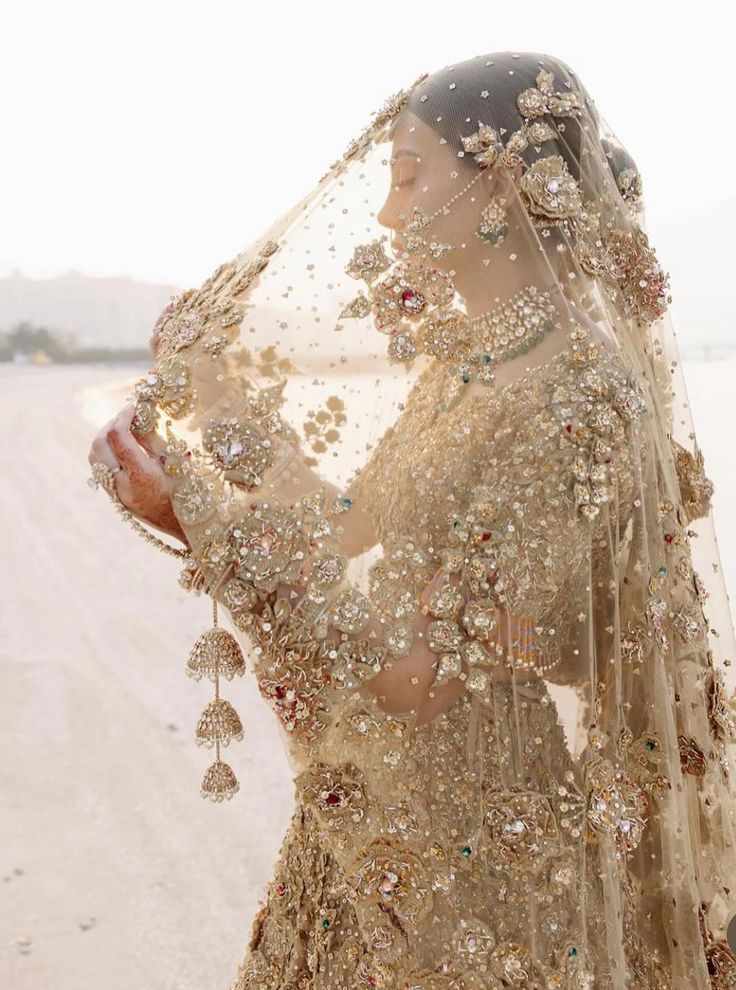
(100, 449)
(122, 424)
(124, 418)
(142, 486)
(131, 456)
(154, 444)
(101, 453)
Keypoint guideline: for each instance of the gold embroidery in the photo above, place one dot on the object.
(372, 131)
(207, 317)
(323, 427)
(625, 261)
(551, 193)
(695, 487)
(451, 830)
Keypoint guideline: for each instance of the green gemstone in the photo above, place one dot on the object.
(346, 502)
(572, 951)
(486, 359)
(662, 570)
(650, 744)
(326, 923)
(466, 378)
(466, 850)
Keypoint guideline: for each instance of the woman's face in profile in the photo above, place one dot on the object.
(427, 174)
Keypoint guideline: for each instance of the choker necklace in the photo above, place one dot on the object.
(514, 327)
(498, 335)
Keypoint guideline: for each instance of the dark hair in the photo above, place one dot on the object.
(454, 100)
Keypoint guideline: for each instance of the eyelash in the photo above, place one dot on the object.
(404, 182)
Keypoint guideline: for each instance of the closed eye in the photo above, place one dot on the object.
(404, 178)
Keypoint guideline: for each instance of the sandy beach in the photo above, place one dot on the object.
(116, 874)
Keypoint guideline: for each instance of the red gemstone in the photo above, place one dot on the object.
(568, 427)
(485, 537)
(333, 799)
(412, 301)
(668, 537)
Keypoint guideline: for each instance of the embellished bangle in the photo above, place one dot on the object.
(104, 475)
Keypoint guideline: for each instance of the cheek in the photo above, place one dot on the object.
(430, 199)
(457, 226)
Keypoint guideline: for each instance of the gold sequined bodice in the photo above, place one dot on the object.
(420, 475)
(482, 805)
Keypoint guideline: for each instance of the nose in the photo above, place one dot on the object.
(386, 217)
(389, 216)
(392, 220)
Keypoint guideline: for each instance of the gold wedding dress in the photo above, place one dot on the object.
(452, 503)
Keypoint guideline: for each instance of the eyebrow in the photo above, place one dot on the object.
(403, 151)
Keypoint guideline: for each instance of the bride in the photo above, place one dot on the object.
(427, 444)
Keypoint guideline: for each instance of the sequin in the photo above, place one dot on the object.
(435, 485)
(695, 486)
(550, 191)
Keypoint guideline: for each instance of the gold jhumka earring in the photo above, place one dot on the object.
(494, 223)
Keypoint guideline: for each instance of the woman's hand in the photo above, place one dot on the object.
(143, 486)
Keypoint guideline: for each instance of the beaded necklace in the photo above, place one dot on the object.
(515, 326)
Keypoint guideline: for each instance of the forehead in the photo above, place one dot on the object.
(411, 137)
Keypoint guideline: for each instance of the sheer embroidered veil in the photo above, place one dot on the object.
(478, 261)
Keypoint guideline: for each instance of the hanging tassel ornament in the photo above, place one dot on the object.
(217, 654)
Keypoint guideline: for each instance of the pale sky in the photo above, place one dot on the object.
(158, 139)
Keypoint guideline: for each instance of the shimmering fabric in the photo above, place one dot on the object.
(448, 491)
